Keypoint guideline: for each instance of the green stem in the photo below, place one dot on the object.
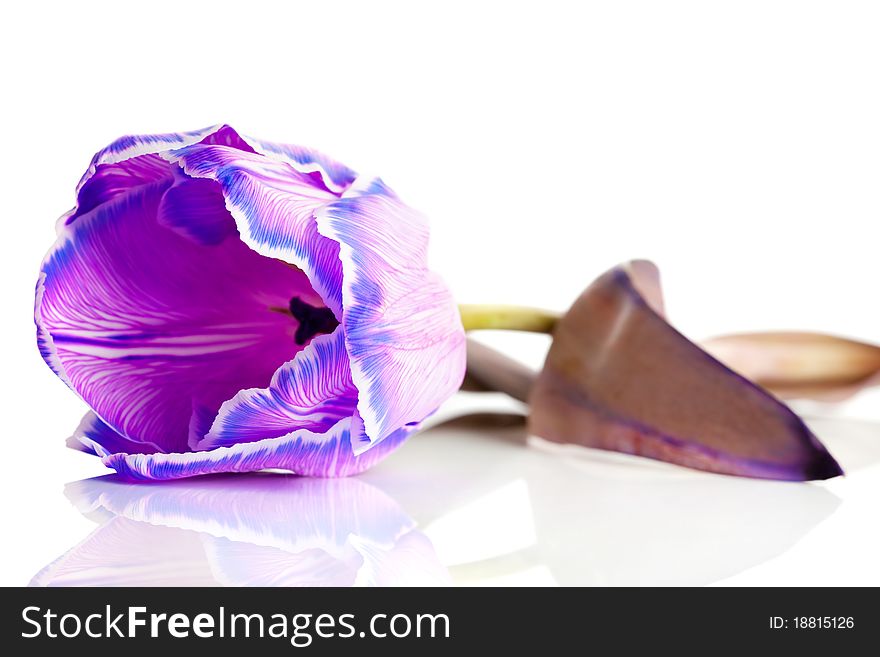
(508, 318)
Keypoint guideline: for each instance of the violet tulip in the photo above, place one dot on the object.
(227, 304)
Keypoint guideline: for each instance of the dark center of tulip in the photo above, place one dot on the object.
(312, 320)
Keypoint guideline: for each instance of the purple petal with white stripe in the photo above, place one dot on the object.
(335, 176)
(134, 160)
(303, 452)
(402, 328)
(93, 436)
(313, 391)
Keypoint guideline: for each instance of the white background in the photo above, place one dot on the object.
(737, 144)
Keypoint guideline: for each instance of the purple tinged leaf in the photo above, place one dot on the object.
(619, 377)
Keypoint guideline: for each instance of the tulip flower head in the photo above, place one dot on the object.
(227, 304)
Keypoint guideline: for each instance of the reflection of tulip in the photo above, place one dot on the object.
(618, 376)
(266, 530)
(227, 304)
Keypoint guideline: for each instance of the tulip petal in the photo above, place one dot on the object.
(619, 377)
(303, 452)
(150, 326)
(335, 177)
(196, 209)
(274, 208)
(313, 391)
(93, 436)
(113, 179)
(45, 343)
(402, 328)
(134, 160)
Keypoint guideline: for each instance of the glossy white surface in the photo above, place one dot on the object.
(472, 501)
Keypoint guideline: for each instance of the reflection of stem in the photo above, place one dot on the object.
(507, 318)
